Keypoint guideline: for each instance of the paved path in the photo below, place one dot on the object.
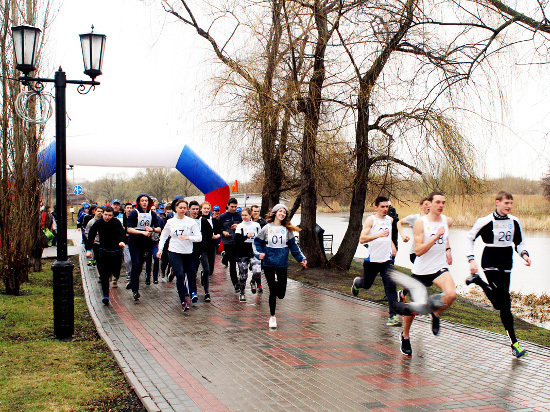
(330, 352)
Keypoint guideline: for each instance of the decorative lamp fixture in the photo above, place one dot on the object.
(93, 46)
(25, 42)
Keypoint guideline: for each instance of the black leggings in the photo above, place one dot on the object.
(277, 289)
(497, 290)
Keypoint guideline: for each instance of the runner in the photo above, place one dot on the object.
(410, 220)
(194, 213)
(433, 253)
(97, 212)
(111, 235)
(501, 233)
(182, 232)
(377, 234)
(272, 245)
(141, 223)
(211, 232)
(229, 221)
(244, 236)
(152, 264)
(256, 215)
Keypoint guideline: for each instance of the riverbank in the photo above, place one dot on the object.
(465, 310)
(532, 210)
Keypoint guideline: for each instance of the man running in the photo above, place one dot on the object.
(111, 235)
(377, 233)
(433, 256)
(411, 220)
(229, 221)
(501, 233)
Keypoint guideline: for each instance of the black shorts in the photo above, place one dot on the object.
(428, 280)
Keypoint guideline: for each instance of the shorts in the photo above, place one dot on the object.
(428, 280)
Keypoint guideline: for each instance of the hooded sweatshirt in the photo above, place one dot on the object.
(138, 219)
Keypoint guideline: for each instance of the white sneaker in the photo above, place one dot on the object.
(272, 322)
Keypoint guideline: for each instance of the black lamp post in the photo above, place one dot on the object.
(26, 41)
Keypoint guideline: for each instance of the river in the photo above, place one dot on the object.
(525, 279)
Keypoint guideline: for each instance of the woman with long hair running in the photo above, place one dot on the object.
(183, 231)
(272, 246)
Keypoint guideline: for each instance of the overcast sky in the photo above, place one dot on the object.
(154, 88)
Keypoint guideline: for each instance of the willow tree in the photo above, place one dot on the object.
(20, 232)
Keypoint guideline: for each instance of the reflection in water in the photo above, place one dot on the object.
(533, 279)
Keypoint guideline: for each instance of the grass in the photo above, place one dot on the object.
(38, 373)
(463, 311)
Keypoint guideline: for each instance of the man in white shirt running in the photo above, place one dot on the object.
(377, 233)
(433, 253)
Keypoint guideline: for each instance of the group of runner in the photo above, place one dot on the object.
(187, 235)
(431, 257)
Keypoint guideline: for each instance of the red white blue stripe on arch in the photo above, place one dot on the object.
(185, 160)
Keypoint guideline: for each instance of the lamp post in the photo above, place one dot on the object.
(26, 41)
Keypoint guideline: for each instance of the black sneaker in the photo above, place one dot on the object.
(207, 297)
(405, 346)
(129, 286)
(136, 296)
(252, 286)
(354, 289)
(237, 288)
(435, 325)
(475, 278)
(156, 281)
(147, 280)
(106, 300)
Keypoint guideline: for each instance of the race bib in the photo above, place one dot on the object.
(277, 237)
(144, 219)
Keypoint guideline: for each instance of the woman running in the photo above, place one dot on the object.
(272, 245)
(183, 231)
(245, 233)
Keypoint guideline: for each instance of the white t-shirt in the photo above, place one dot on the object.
(380, 248)
(244, 228)
(175, 228)
(434, 259)
(411, 220)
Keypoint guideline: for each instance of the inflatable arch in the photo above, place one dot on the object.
(183, 159)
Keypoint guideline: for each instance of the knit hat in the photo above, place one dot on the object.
(279, 206)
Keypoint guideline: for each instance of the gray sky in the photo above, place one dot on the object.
(155, 88)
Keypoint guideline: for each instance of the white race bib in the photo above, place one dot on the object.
(144, 219)
(277, 237)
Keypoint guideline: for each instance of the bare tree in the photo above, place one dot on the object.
(20, 233)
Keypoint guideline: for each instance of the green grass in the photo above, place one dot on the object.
(38, 373)
(462, 311)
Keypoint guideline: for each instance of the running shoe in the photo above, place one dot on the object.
(147, 280)
(194, 297)
(136, 296)
(106, 300)
(237, 288)
(393, 321)
(354, 290)
(252, 286)
(260, 289)
(115, 283)
(405, 346)
(401, 296)
(242, 297)
(184, 306)
(129, 286)
(272, 322)
(518, 351)
(207, 297)
(171, 277)
(475, 278)
(435, 324)
(156, 280)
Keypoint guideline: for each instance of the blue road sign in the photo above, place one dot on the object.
(77, 190)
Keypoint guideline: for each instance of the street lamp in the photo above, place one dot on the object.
(26, 42)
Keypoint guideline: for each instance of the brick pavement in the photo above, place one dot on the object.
(330, 352)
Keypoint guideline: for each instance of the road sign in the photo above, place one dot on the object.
(77, 190)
